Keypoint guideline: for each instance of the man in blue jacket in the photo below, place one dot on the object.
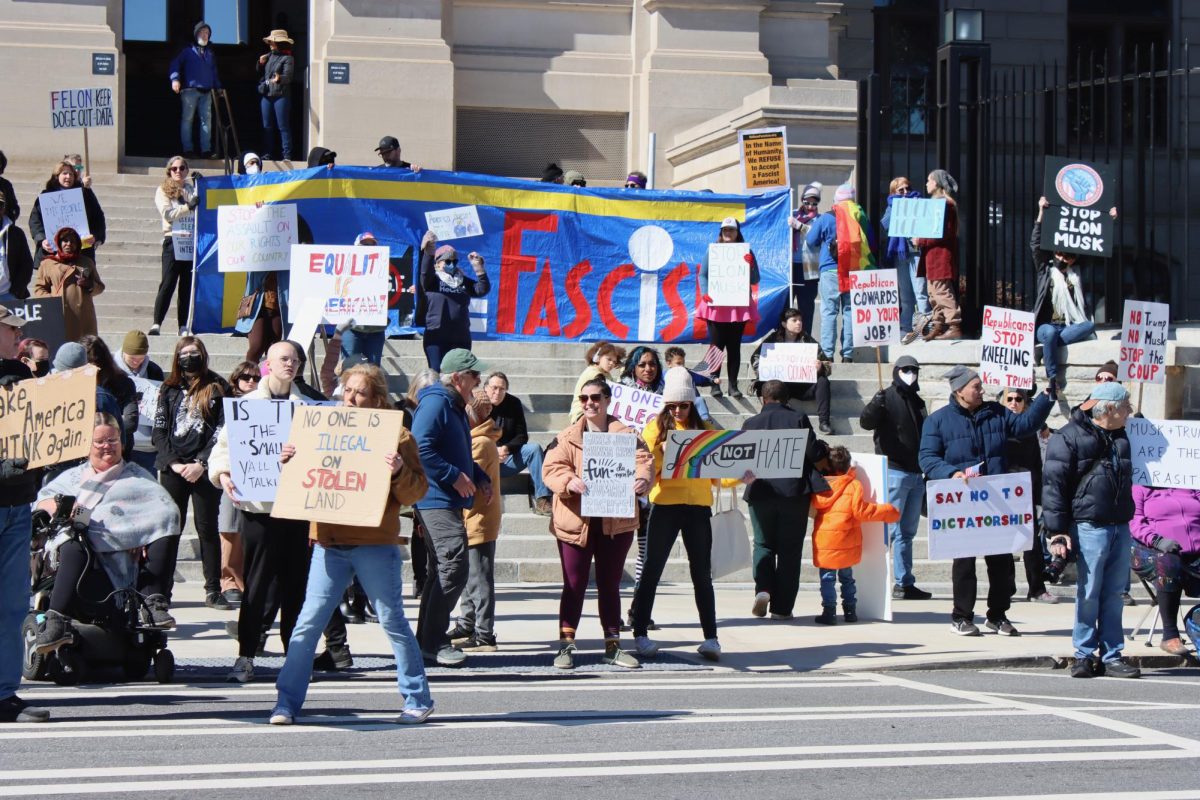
(194, 78)
(443, 437)
(966, 439)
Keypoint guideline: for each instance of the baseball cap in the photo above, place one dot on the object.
(1110, 391)
(7, 317)
(730, 222)
(388, 143)
(460, 359)
(907, 362)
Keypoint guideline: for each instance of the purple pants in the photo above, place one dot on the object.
(609, 553)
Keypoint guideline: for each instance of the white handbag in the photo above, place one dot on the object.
(730, 543)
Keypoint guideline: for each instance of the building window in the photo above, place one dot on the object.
(145, 21)
(906, 40)
(228, 20)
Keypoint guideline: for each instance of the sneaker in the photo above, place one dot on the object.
(232, 596)
(617, 657)
(850, 615)
(1120, 668)
(1082, 668)
(56, 633)
(480, 643)
(912, 335)
(824, 427)
(826, 617)
(461, 633)
(645, 646)
(281, 716)
(184, 331)
(761, 601)
(155, 329)
(1002, 627)
(242, 672)
(543, 507)
(566, 656)
(910, 593)
(450, 656)
(1127, 599)
(155, 614)
(1044, 597)
(1175, 646)
(414, 716)
(964, 627)
(782, 616)
(14, 709)
(217, 600)
(334, 659)
(710, 649)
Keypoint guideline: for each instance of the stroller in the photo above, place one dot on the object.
(109, 634)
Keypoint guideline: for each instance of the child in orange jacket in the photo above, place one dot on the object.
(837, 532)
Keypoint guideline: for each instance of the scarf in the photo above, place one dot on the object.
(853, 249)
(452, 279)
(804, 216)
(1070, 307)
(898, 249)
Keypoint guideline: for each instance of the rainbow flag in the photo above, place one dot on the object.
(854, 249)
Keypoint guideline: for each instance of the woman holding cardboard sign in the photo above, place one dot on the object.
(727, 324)
(373, 555)
(176, 199)
(63, 178)
(939, 263)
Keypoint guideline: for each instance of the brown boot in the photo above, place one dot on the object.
(953, 331)
(936, 329)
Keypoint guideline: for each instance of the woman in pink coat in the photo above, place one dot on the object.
(727, 324)
(1166, 551)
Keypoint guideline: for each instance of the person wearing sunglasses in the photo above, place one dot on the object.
(636, 180)
(1025, 455)
(805, 260)
(443, 306)
(244, 378)
(1107, 372)
(176, 199)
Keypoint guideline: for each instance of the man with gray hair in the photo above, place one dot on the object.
(443, 436)
(1087, 503)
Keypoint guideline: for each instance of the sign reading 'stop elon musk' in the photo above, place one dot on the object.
(1080, 196)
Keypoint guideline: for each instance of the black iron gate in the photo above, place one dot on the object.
(1130, 110)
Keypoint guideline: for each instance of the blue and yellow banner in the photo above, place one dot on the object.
(565, 263)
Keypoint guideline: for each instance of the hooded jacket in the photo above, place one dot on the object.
(896, 415)
(317, 154)
(777, 417)
(443, 437)
(837, 529)
(1169, 513)
(1088, 475)
(195, 67)
(954, 439)
(483, 517)
(18, 259)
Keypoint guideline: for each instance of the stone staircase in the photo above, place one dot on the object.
(543, 375)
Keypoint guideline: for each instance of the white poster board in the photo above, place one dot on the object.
(81, 108)
(875, 307)
(730, 453)
(183, 238)
(352, 282)
(454, 223)
(632, 406)
(790, 362)
(63, 209)
(148, 400)
(917, 218)
(257, 430)
(729, 274)
(1165, 453)
(307, 319)
(609, 461)
(1144, 342)
(985, 516)
(1006, 348)
(874, 573)
(255, 238)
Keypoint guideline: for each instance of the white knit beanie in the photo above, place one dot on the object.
(678, 387)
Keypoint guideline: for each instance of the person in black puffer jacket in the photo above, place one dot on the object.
(897, 416)
(1087, 503)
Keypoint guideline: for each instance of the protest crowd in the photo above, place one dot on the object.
(311, 527)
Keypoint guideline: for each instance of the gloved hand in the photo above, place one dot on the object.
(1164, 545)
(477, 264)
(193, 201)
(11, 380)
(12, 468)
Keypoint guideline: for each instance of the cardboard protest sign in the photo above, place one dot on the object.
(790, 362)
(917, 218)
(183, 238)
(64, 209)
(985, 516)
(256, 238)
(1006, 348)
(147, 400)
(81, 108)
(1080, 196)
(454, 223)
(353, 281)
(873, 574)
(728, 454)
(257, 429)
(339, 473)
(1165, 453)
(729, 274)
(608, 471)
(43, 320)
(1144, 342)
(875, 307)
(634, 407)
(49, 420)
(764, 159)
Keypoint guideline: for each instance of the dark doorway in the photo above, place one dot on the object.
(156, 30)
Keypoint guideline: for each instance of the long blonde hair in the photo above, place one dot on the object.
(172, 188)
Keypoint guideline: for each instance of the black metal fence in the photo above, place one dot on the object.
(1128, 109)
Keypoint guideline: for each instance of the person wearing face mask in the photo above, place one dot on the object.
(189, 414)
(73, 277)
(194, 78)
(251, 163)
(897, 416)
(35, 354)
(443, 306)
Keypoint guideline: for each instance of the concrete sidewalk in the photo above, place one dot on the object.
(920, 637)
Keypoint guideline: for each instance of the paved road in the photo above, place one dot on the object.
(698, 734)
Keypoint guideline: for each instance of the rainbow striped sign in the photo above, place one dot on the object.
(728, 454)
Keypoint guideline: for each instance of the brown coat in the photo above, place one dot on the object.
(483, 518)
(564, 462)
(408, 486)
(55, 279)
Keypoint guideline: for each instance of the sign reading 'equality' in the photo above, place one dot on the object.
(353, 281)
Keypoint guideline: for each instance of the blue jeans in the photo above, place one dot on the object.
(905, 491)
(833, 302)
(276, 111)
(367, 344)
(1102, 558)
(332, 569)
(193, 100)
(529, 457)
(1052, 335)
(830, 577)
(914, 296)
(15, 529)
